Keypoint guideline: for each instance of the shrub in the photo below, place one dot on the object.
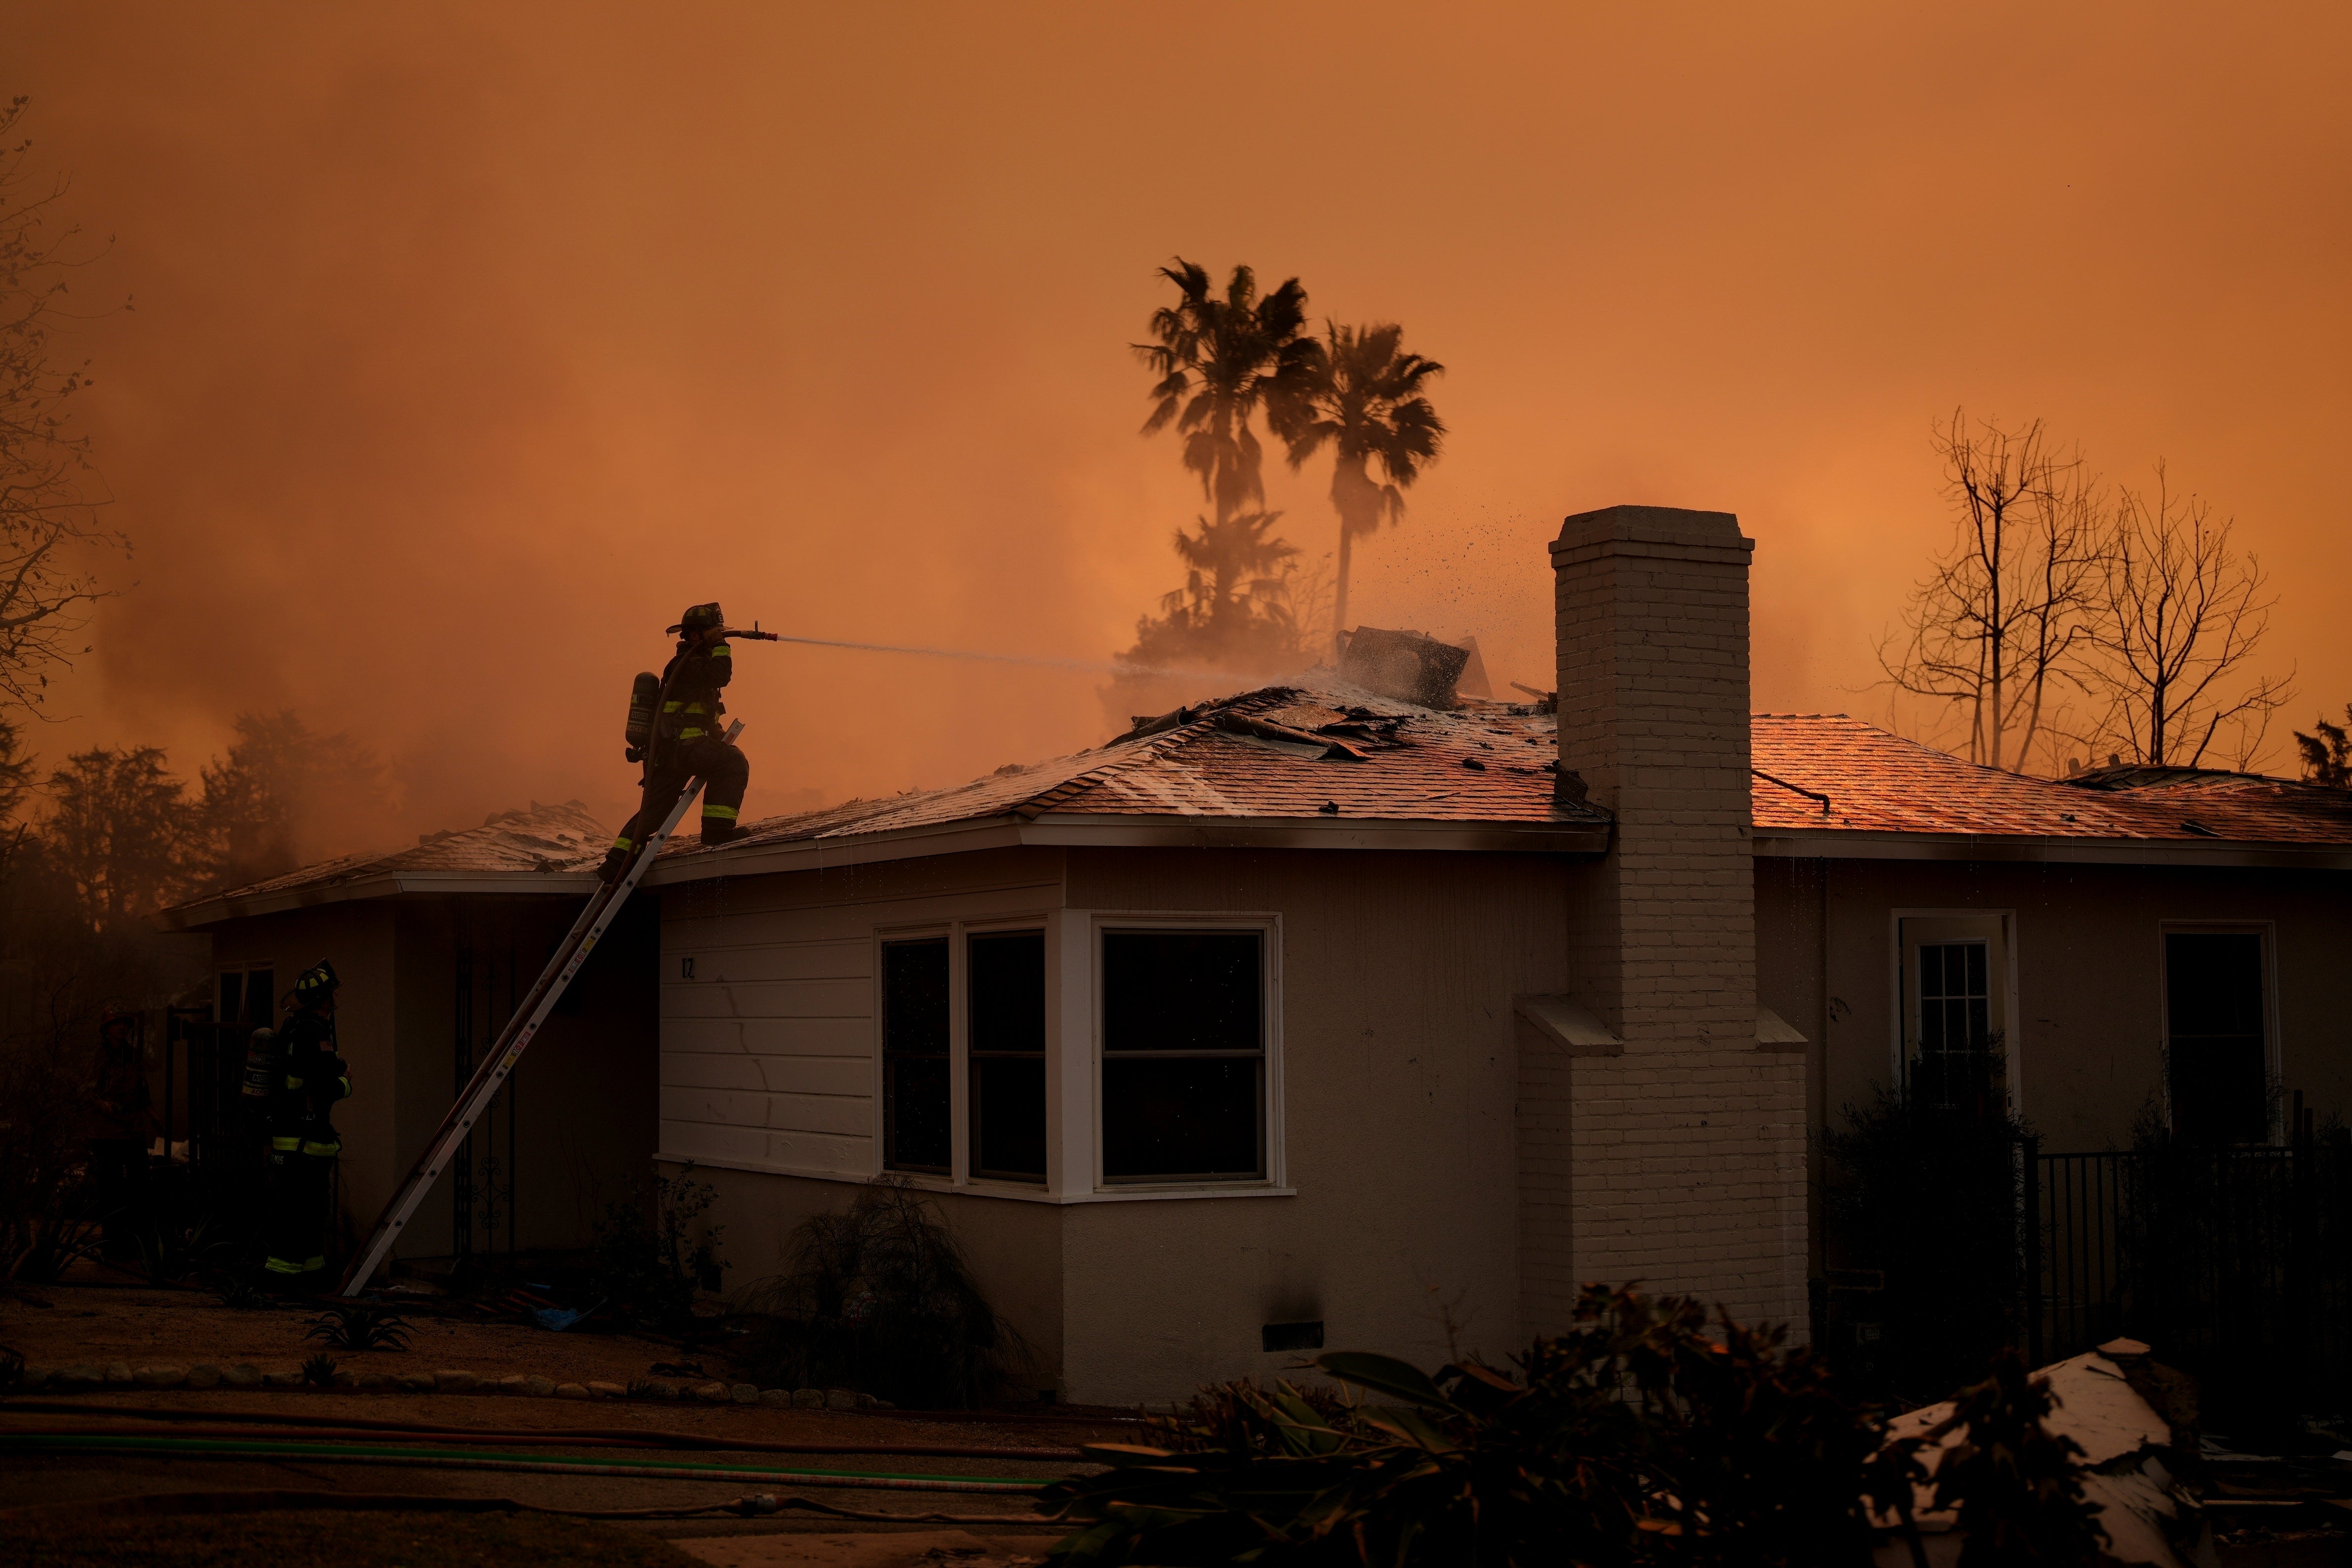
(48, 1222)
(318, 1372)
(650, 1256)
(1928, 1201)
(879, 1297)
(1636, 1439)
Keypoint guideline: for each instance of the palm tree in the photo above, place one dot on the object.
(1219, 362)
(1363, 396)
(1233, 611)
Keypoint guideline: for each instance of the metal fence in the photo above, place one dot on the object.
(2233, 1260)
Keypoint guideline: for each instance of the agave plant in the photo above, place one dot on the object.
(359, 1328)
(318, 1372)
(240, 1294)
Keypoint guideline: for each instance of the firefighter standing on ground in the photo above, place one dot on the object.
(685, 739)
(310, 1077)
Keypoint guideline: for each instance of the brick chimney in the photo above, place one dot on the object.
(1658, 1142)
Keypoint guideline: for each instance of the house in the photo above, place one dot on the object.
(1322, 1017)
(434, 944)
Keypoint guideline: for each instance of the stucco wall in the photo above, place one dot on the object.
(1398, 1074)
(2089, 967)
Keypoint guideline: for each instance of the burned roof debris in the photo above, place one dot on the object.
(1411, 667)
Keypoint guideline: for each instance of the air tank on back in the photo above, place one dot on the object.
(645, 696)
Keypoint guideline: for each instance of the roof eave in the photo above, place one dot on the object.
(208, 912)
(1845, 843)
(1102, 830)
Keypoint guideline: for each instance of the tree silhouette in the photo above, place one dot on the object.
(2178, 620)
(1221, 362)
(283, 795)
(1234, 610)
(2327, 752)
(48, 495)
(118, 829)
(1999, 631)
(1362, 395)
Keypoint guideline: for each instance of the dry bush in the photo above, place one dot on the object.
(879, 1297)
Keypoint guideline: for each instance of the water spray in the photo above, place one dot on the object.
(1081, 666)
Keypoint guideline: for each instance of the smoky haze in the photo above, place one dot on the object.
(471, 345)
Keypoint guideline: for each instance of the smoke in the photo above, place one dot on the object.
(469, 346)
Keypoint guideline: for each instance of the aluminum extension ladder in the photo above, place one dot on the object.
(513, 1041)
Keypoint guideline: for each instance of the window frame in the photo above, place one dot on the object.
(1999, 928)
(2274, 1130)
(959, 1027)
(245, 969)
(1274, 1176)
(957, 933)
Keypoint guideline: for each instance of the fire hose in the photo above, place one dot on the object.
(473, 1459)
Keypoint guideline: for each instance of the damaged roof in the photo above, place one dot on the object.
(1824, 774)
(1276, 766)
(556, 846)
(1337, 767)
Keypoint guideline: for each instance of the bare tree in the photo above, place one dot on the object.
(49, 497)
(1992, 633)
(2179, 618)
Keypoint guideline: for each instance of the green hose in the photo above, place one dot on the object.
(466, 1460)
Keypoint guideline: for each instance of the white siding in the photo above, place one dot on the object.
(769, 1053)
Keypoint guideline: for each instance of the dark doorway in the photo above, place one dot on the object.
(2216, 1036)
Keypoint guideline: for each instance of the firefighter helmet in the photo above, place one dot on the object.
(699, 618)
(315, 983)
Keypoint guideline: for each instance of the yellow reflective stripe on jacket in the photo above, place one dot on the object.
(721, 650)
(293, 1082)
(280, 1266)
(724, 813)
(347, 1087)
(285, 1145)
(334, 1148)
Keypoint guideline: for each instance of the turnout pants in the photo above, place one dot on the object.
(725, 772)
(300, 1187)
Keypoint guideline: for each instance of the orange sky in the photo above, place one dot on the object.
(473, 343)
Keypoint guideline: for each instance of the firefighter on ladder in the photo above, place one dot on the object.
(686, 743)
(310, 1075)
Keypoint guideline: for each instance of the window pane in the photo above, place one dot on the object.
(1007, 979)
(2213, 1004)
(915, 997)
(232, 997)
(1008, 991)
(1181, 991)
(1956, 1068)
(260, 996)
(1170, 1117)
(916, 1121)
(915, 1114)
(1008, 1118)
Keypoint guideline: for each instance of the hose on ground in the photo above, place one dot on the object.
(459, 1459)
(751, 1505)
(291, 1423)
